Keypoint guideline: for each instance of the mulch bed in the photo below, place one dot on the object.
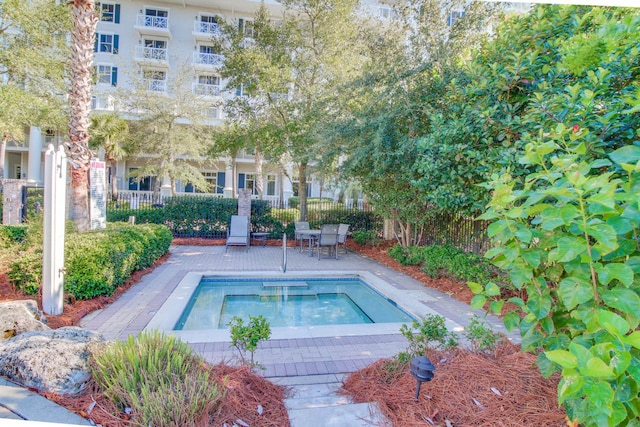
(461, 393)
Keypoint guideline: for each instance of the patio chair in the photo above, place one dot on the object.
(238, 232)
(328, 238)
(299, 226)
(343, 229)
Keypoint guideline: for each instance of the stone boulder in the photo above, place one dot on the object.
(53, 361)
(17, 317)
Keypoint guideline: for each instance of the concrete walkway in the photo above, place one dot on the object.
(291, 356)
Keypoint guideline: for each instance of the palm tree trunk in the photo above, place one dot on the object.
(83, 34)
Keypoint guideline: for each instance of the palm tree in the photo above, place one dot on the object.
(85, 20)
(109, 132)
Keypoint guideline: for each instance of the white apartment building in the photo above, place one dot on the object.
(151, 38)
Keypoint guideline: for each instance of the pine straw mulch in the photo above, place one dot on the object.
(248, 398)
(468, 389)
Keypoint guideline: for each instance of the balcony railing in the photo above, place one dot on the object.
(156, 85)
(160, 22)
(210, 28)
(206, 89)
(151, 53)
(209, 59)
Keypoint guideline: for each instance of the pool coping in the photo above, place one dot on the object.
(413, 302)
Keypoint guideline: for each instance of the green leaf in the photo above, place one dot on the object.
(574, 291)
(597, 368)
(619, 271)
(623, 299)
(569, 248)
(496, 306)
(600, 394)
(613, 323)
(562, 358)
(626, 154)
(512, 320)
(570, 385)
(539, 305)
(491, 290)
(633, 339)
(478, 301)
(605, 235)
(476, 288)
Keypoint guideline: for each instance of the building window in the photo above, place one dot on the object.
(385, 13)
(214, 113)
(246, 27)
(271, 185)
(141, 183)
(208, 24)
(156, 80)
(107, 43)
(156, 18)
(106, 74)
(453, 17)
(109, 12)
(209, 80)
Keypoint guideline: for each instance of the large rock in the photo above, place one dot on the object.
(17, 317)
(54, 360)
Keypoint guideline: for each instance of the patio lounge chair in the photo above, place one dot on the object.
(238, 232)
(299, 226)
(328, 238)
(343, 229)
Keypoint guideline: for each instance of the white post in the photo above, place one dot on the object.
(35, 155)
(55, 181)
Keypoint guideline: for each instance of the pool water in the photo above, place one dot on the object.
(288, 302)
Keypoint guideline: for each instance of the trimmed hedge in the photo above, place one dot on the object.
(98, 261)
(193, 216)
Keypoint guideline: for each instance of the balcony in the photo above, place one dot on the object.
(152, 56)
(207, 61)
(154, 85)
(206, 89)
(204, 31)
(152, 25)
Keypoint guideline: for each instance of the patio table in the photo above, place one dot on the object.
(309, 235)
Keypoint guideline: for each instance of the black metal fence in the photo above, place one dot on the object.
(208, 216)
(463, 232)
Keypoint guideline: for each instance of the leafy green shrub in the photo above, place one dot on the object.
(407, 255)
(294, 202)
(286, 215)
(25, 272)
(363, 237)
(430, 333)
(99, 261)
(246, 337)
(96, 262)
(159, 378)
(12, 234)
(480, 335)
(445, 260)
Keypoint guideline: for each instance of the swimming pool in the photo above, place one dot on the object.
(286, 302)
(169, 314)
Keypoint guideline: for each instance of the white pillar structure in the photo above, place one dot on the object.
(54, 221)
(35, 155)
(165, 188)
(228, 179)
